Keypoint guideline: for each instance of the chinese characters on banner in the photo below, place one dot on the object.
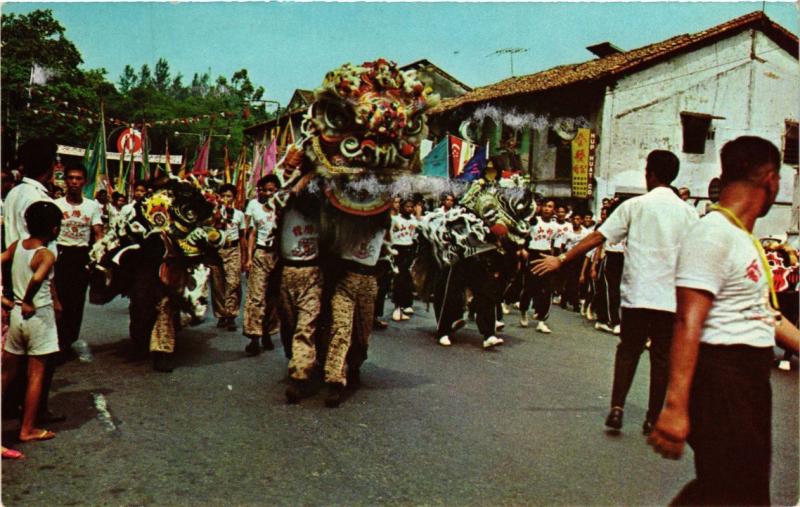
(583, 159)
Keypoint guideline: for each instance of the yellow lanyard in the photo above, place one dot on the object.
(731, 216)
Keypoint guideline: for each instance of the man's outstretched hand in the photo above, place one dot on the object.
(547, 264)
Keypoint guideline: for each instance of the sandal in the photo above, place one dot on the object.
(12, 454)
(41, 435)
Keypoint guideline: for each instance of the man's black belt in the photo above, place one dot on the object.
(72, 248)
(300, 264)
(358, 268)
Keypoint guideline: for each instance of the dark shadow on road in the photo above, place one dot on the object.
(375, 377)
(124, 350)
(78, 406)
(193, 350)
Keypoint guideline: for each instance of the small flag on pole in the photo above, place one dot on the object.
(94, 160)
(200, 168)
(144, 170)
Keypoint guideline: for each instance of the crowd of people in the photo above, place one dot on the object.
(635, 271)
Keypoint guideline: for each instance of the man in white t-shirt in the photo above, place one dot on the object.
(538, 289)
(226, 280)
(300, 299)
(352, 311)
(81, 224)
(403, 234)
(654, 225)
(719, 397)
(562, 226)
(259, 306)
(572, 272)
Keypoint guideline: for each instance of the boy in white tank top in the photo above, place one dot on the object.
(32, 331)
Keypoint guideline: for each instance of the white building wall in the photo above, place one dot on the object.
(642, 113)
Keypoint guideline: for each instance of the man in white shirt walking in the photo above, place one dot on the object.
(81, 224)
(653, 225)
(719, 397)
(226, 279)
(538, 290)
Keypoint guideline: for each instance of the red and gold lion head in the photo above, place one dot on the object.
(364, 129)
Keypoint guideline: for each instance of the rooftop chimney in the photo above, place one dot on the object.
(604, 49)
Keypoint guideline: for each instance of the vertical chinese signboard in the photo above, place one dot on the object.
(583, 158)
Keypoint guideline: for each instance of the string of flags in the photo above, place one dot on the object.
(91, 117)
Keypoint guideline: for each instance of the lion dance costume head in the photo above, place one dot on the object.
(363, 131)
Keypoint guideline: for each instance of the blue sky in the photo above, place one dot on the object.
(291, 45)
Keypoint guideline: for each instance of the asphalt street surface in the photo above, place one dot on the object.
(518, 425)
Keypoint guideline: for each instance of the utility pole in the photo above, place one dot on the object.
(510, 52)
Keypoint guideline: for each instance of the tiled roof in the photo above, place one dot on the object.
(616, 65)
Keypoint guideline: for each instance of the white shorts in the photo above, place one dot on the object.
(36, 336)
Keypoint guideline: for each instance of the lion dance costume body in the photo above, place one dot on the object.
(156, 252)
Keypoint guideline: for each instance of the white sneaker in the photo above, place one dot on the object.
(583, 309)
(590, 315)
(444, 341)
(506, 309)
(397, 315)
(523, 320)
(408, 311)
(785, 365)
(499, 325)
(542, 328)
(616, 329)
(516, 305)
(603, 327)
(492, 341)
(556, 300)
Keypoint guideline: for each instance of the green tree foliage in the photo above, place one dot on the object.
(128, 79)
(145, 77)
(162, 75)
(37, 39)
(147, 95)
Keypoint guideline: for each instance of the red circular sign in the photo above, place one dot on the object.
(129, 141)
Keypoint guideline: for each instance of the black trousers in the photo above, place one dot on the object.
(513, 292)
(72, 280)
(487, 291)
(403, 292)
(384, 279)
(639, 324)
(448, 298)
(572, 274)
(611, 276)
(730, 417)
(145, 292)
(537, 289)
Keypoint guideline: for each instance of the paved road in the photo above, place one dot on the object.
(522, 424)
